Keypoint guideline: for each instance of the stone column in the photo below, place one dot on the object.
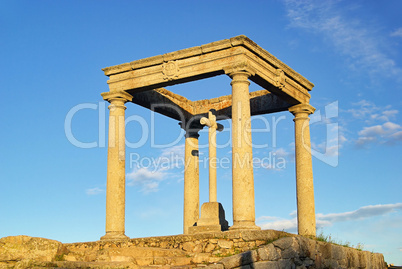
(304, 170)
(116, 181)
(242, 166)
(191, 180)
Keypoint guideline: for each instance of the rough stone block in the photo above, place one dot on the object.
(272, 253)
(325, 249)
(243, 267)
(285, 264)
(16, 248)
(210, 247)
(266, 265)
(188, 246)
(225, 243)
(338, 252)
(284, 243)
(201, 257)
(215, 266)
(240, 259)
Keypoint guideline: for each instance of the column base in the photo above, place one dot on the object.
(244, 225)
(114, 236)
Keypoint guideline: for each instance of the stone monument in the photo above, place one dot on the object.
(142, 81)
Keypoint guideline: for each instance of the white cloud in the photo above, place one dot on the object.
(361, 213)
(289, 225)
(325, 220)
(361, 43)
(149, 177)
(397, 32)
(368, 111)
(387, 133)
(94, 191)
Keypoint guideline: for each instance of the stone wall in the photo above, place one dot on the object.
(248, 249)
(301, 252)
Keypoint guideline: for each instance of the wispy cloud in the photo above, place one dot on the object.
(94, 191)
(361, 213)
(369, 112)
(324, 220)
(387, 133)
(379, 128)
(362, 44)
(397, 32)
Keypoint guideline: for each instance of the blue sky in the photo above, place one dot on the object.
(52, 53)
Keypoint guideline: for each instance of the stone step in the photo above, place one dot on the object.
(106, 265)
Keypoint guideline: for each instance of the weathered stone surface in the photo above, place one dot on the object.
(240, 259)
(292, 252)
(283, 243)
(225, 243)
(17, 248)
(266, 265)
(210, 247)
(215, 266)
(268, 252)
(188, 246)
(285, 264)
(338, 253)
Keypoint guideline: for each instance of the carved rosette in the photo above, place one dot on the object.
(170, 70)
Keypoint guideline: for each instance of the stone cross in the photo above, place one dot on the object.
(213, 126)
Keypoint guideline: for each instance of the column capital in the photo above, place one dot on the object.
(191, 128)
(302, 110)
(117, 96)
(242, 68)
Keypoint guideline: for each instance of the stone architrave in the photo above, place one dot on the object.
(116, 168)
(304, 171)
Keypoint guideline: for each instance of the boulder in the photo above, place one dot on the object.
(22, 247)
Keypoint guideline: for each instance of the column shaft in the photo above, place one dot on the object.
(242, 167)
(191, 182)
(212, 165)
(115, 187)
(304, 171)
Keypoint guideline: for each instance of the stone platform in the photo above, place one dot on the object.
(231, 249)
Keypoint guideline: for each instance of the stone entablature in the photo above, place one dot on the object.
(210, 60)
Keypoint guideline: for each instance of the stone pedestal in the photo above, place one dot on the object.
(212, 219)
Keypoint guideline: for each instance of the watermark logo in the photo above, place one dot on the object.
(327, 151)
